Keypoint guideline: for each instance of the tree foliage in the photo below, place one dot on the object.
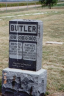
(49, 3)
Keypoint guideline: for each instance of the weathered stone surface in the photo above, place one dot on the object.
(24, 83)
(25, 44)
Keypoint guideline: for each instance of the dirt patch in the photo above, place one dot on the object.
(20, 7)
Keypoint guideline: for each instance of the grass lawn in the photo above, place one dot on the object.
(52, 55)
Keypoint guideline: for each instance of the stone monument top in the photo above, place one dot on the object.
(25, 44)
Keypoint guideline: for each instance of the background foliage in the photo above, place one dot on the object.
(49, 3)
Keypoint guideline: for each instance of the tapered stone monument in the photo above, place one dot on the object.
(25, 76)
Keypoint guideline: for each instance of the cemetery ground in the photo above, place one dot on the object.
(53, 53)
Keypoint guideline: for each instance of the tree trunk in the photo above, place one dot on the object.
(50, 6)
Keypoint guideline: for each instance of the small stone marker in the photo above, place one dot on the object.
(51, 42)
(25, 44)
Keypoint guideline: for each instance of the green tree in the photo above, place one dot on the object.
(49, 3)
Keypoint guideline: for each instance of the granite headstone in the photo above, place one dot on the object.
(25, 52)
(25, 44)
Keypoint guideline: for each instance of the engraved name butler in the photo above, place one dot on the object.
(23, 45)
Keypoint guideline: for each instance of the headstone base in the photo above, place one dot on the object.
(17, 82)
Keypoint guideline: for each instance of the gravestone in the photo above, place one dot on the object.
(25, 44)
(25, 76)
